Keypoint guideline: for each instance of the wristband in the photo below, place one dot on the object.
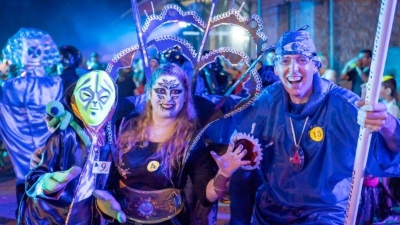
(221, 184)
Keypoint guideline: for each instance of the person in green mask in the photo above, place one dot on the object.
(77, 157)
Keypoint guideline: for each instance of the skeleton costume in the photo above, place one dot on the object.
(23, 99)
(92, 100)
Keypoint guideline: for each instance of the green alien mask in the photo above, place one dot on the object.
(94, 96)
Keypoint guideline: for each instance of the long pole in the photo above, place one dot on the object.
(141, 39)
(331, 36)
(381, 45)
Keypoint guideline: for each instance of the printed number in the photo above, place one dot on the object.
(103, 166)
(317, 134)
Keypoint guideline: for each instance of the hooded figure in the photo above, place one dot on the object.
(23, 99)
(75, 161)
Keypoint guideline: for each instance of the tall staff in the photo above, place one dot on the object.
(381, 44)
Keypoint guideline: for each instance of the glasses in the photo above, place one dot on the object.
(300, 60)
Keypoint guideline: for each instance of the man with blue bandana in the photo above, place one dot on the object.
(308, 129)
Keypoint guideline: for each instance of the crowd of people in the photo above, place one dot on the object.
(87, 147)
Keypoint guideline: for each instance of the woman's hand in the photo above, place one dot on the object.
(229, 162)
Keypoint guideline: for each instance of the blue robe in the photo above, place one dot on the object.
(23, 127)
(318, 193)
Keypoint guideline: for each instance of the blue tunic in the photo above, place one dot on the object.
(318, 193)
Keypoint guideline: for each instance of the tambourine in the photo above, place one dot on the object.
(251, 144)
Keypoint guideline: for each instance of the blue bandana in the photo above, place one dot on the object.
(297, 43)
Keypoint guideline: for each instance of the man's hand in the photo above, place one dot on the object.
(371, 116)
(374, 117)
(54, 182)
(109, 206)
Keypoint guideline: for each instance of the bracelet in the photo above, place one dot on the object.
(221, 184)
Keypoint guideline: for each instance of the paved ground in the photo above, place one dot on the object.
(8, 201)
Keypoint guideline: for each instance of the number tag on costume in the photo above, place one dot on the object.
(317, 134)
(101, 167)
(153, 166)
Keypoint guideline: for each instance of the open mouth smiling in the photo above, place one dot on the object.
(167, 106)
(294, 79)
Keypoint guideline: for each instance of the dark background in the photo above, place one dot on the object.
(105, 26)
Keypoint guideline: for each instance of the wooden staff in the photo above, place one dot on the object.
(381, 44)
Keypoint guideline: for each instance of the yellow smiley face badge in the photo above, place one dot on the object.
(317, 134)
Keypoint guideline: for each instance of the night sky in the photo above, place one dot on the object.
(104, 26)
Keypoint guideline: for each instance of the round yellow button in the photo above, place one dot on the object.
(317, 134)
(153, 166)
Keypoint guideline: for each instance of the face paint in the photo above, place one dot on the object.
(94, 97)
(167, 97)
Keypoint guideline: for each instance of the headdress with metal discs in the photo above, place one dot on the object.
(174, 14)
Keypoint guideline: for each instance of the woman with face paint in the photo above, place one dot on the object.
(75, 162)
(156, 157)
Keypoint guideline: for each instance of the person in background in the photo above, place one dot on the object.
(70, 60)
(125, 83)
(357, 70)
(4, 71)
(375, 201)
(4, 75)
(269, 57)
(154, 63)
(138, 76)
(388, 95)
(325, 71)
(94, 62)
(266, 72)
(23, 99)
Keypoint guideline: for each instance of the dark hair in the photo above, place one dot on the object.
(174, 55)
(366, 51)
(390, 83)
(270, 50)
(70, 56)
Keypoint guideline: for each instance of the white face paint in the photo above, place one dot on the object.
(167, 97)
